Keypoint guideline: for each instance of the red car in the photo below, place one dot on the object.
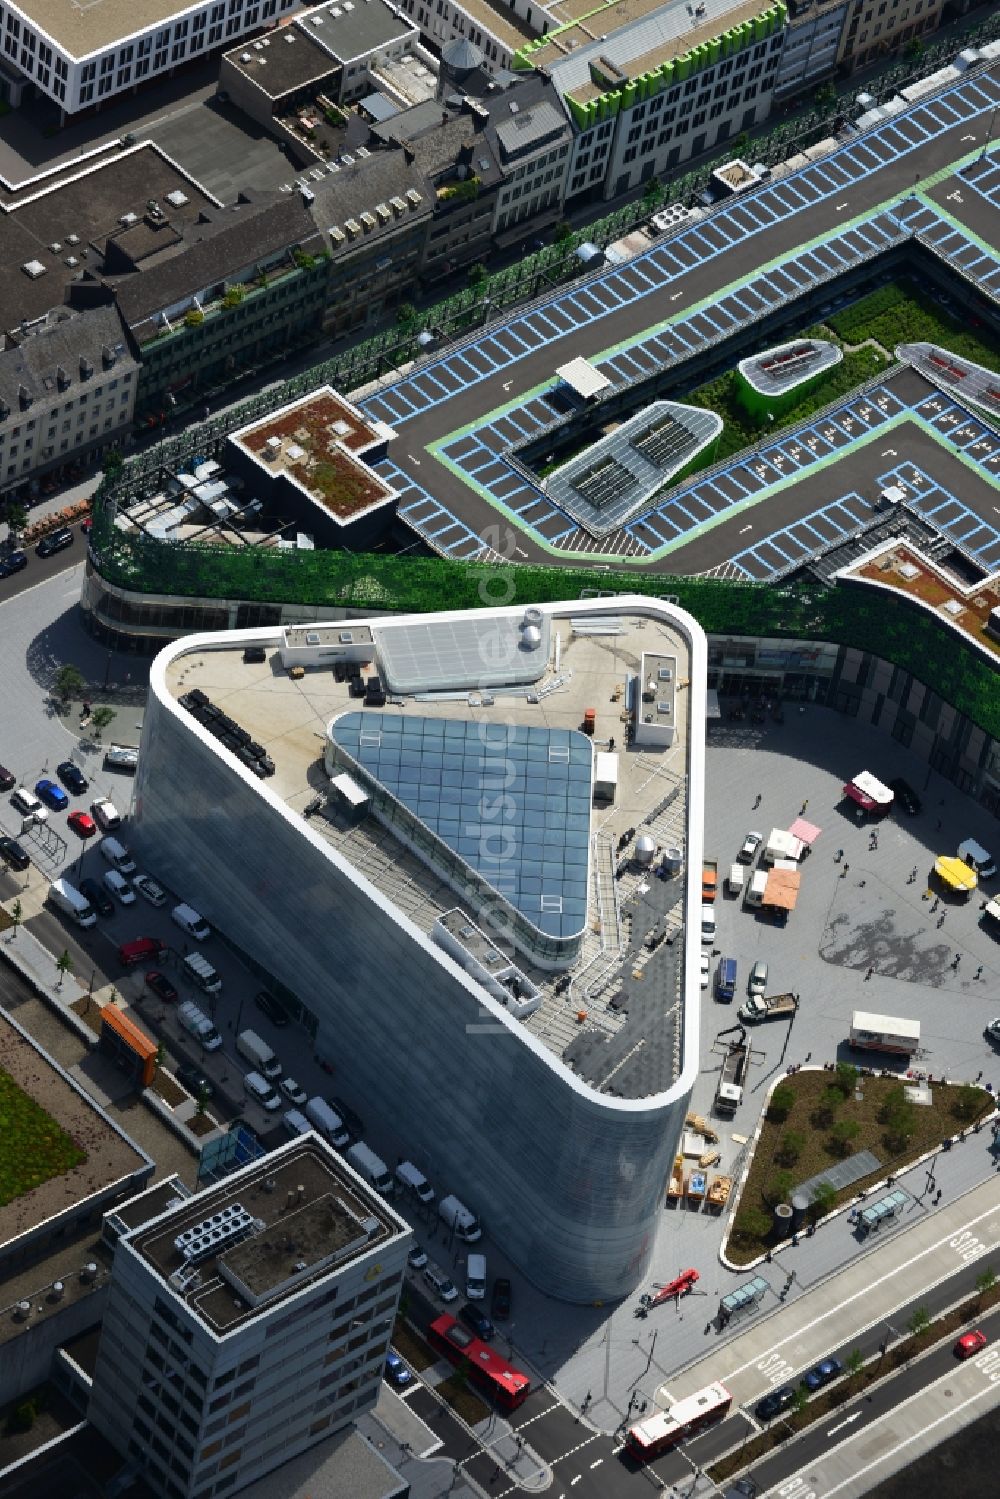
(970, 1343)
(161, 987)
(82, 824)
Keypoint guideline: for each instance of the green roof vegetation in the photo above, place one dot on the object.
(33, 1147)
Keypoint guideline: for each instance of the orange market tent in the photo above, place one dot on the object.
(955, 873)
(782, 889)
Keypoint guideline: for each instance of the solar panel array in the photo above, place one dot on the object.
(610, 481)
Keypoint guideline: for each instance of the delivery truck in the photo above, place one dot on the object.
(888, 1033)
(774, 1007)
(709, 880)
(729, 1093)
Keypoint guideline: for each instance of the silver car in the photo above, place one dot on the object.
(757, 982)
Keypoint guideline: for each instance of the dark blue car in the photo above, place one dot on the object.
(774, 1403)
(52, 795)
(478, 1321)
(72, 776)
(12, 563)
(821, 1374)
(396, 1372)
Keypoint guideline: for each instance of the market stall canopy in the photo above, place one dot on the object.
(805, 832)
(868, 791)
(782, 889)
(955, 873)
(782, 845)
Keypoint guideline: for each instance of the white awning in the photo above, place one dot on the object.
(584, 379)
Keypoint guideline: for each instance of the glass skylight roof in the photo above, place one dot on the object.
(512, 802)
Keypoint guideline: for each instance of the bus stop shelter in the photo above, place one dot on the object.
(744, 1298)
(884, 1209)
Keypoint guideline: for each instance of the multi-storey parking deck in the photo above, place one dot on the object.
(919, 184)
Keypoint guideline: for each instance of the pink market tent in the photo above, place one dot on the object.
(805, 832)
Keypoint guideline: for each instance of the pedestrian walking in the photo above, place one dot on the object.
(978, 975)
(839, 855)
(913, 874)
(958, 958)
(979, 1076)
(804, 806)
(939, 824)
(846, 868)
(758, 801)
(869, 974)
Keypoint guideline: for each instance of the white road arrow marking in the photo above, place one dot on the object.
(846, 1422)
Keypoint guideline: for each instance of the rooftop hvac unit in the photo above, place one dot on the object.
(128, 219)
(313, 637)
(58, 1290)
(245, 57)
(258, 46)
(22, 1310)
(72, 239)
(33, 268)
(176, 198)
(55, 247)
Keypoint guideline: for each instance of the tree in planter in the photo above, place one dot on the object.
(201, 1102)
(823, 1198)
(752, 1225)
(854, 1363)
(194, 317)
(825, 1111)
(984, 1284)
(233, 296)
(652, 193)
(790, 1147)
(69, 682)
(843, 1132)
(779, 1187)
(16, 912)
(846, 1078)
(781, 1104)
(476, 274)
(100, 718)
(406, 316)
(919, 1322)
(161, 1057)
(16, 517)
(967, 1102)
(64, 963)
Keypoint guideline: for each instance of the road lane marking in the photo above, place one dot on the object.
(846, 1422)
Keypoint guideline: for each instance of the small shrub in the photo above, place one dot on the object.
(790, 1148)
(23, 1416)
(967, 1103)
(846, 1079)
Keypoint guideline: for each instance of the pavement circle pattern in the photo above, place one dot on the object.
(477, 453)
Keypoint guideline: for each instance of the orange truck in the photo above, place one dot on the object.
(709, 880)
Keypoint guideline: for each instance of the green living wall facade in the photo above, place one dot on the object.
(850, 614)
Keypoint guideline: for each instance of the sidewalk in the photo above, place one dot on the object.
(863, 1294)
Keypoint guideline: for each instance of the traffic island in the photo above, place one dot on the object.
(924, 1335)
(828, 1135)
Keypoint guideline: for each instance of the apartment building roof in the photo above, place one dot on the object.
(53, 233)
(227, 240)
(633, 36)
(265, 1233)
(379, 192)
(353, 28)
(283, 62)
(61, 355)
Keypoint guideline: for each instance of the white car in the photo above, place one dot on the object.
(751, 844)
(708, 923)
(757, 982)
(417, 1257)
(706, 968)
(105, 814)
(154, 893)
(293, 1091)
(120, 887)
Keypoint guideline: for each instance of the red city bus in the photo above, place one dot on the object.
(488, 1369)
(685, 1418)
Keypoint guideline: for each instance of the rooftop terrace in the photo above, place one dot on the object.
(261, 1235)
(966, 607)
(317, 443)
(615, 1015)
(676, 29)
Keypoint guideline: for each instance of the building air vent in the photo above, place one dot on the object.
(353, 227)
(176, 199)
(71, 261)
(337, 234)
(258, 46)
(413, 197)
(363, 151)
(72, 239)
(313, 637)
(398, 206)
(86, 367)
(367, 219)
(128, 219)
(33, 268)
(514, 107)
(383, 211)
(317, 20)
(55, 247)
(24, 397)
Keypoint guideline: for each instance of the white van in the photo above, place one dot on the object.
(328, 1122)
(371, 1166)
(708, 923)
(119, 887)
(27, 803)
(456, 1216)
(735, 879)
(67, 898)
(198, 970)
(118, 856)
(259, 1089)
(475, 1277)
(414, 1181)
(978, 858)
(189, 920)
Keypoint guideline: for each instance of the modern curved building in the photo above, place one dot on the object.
(446, 875)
